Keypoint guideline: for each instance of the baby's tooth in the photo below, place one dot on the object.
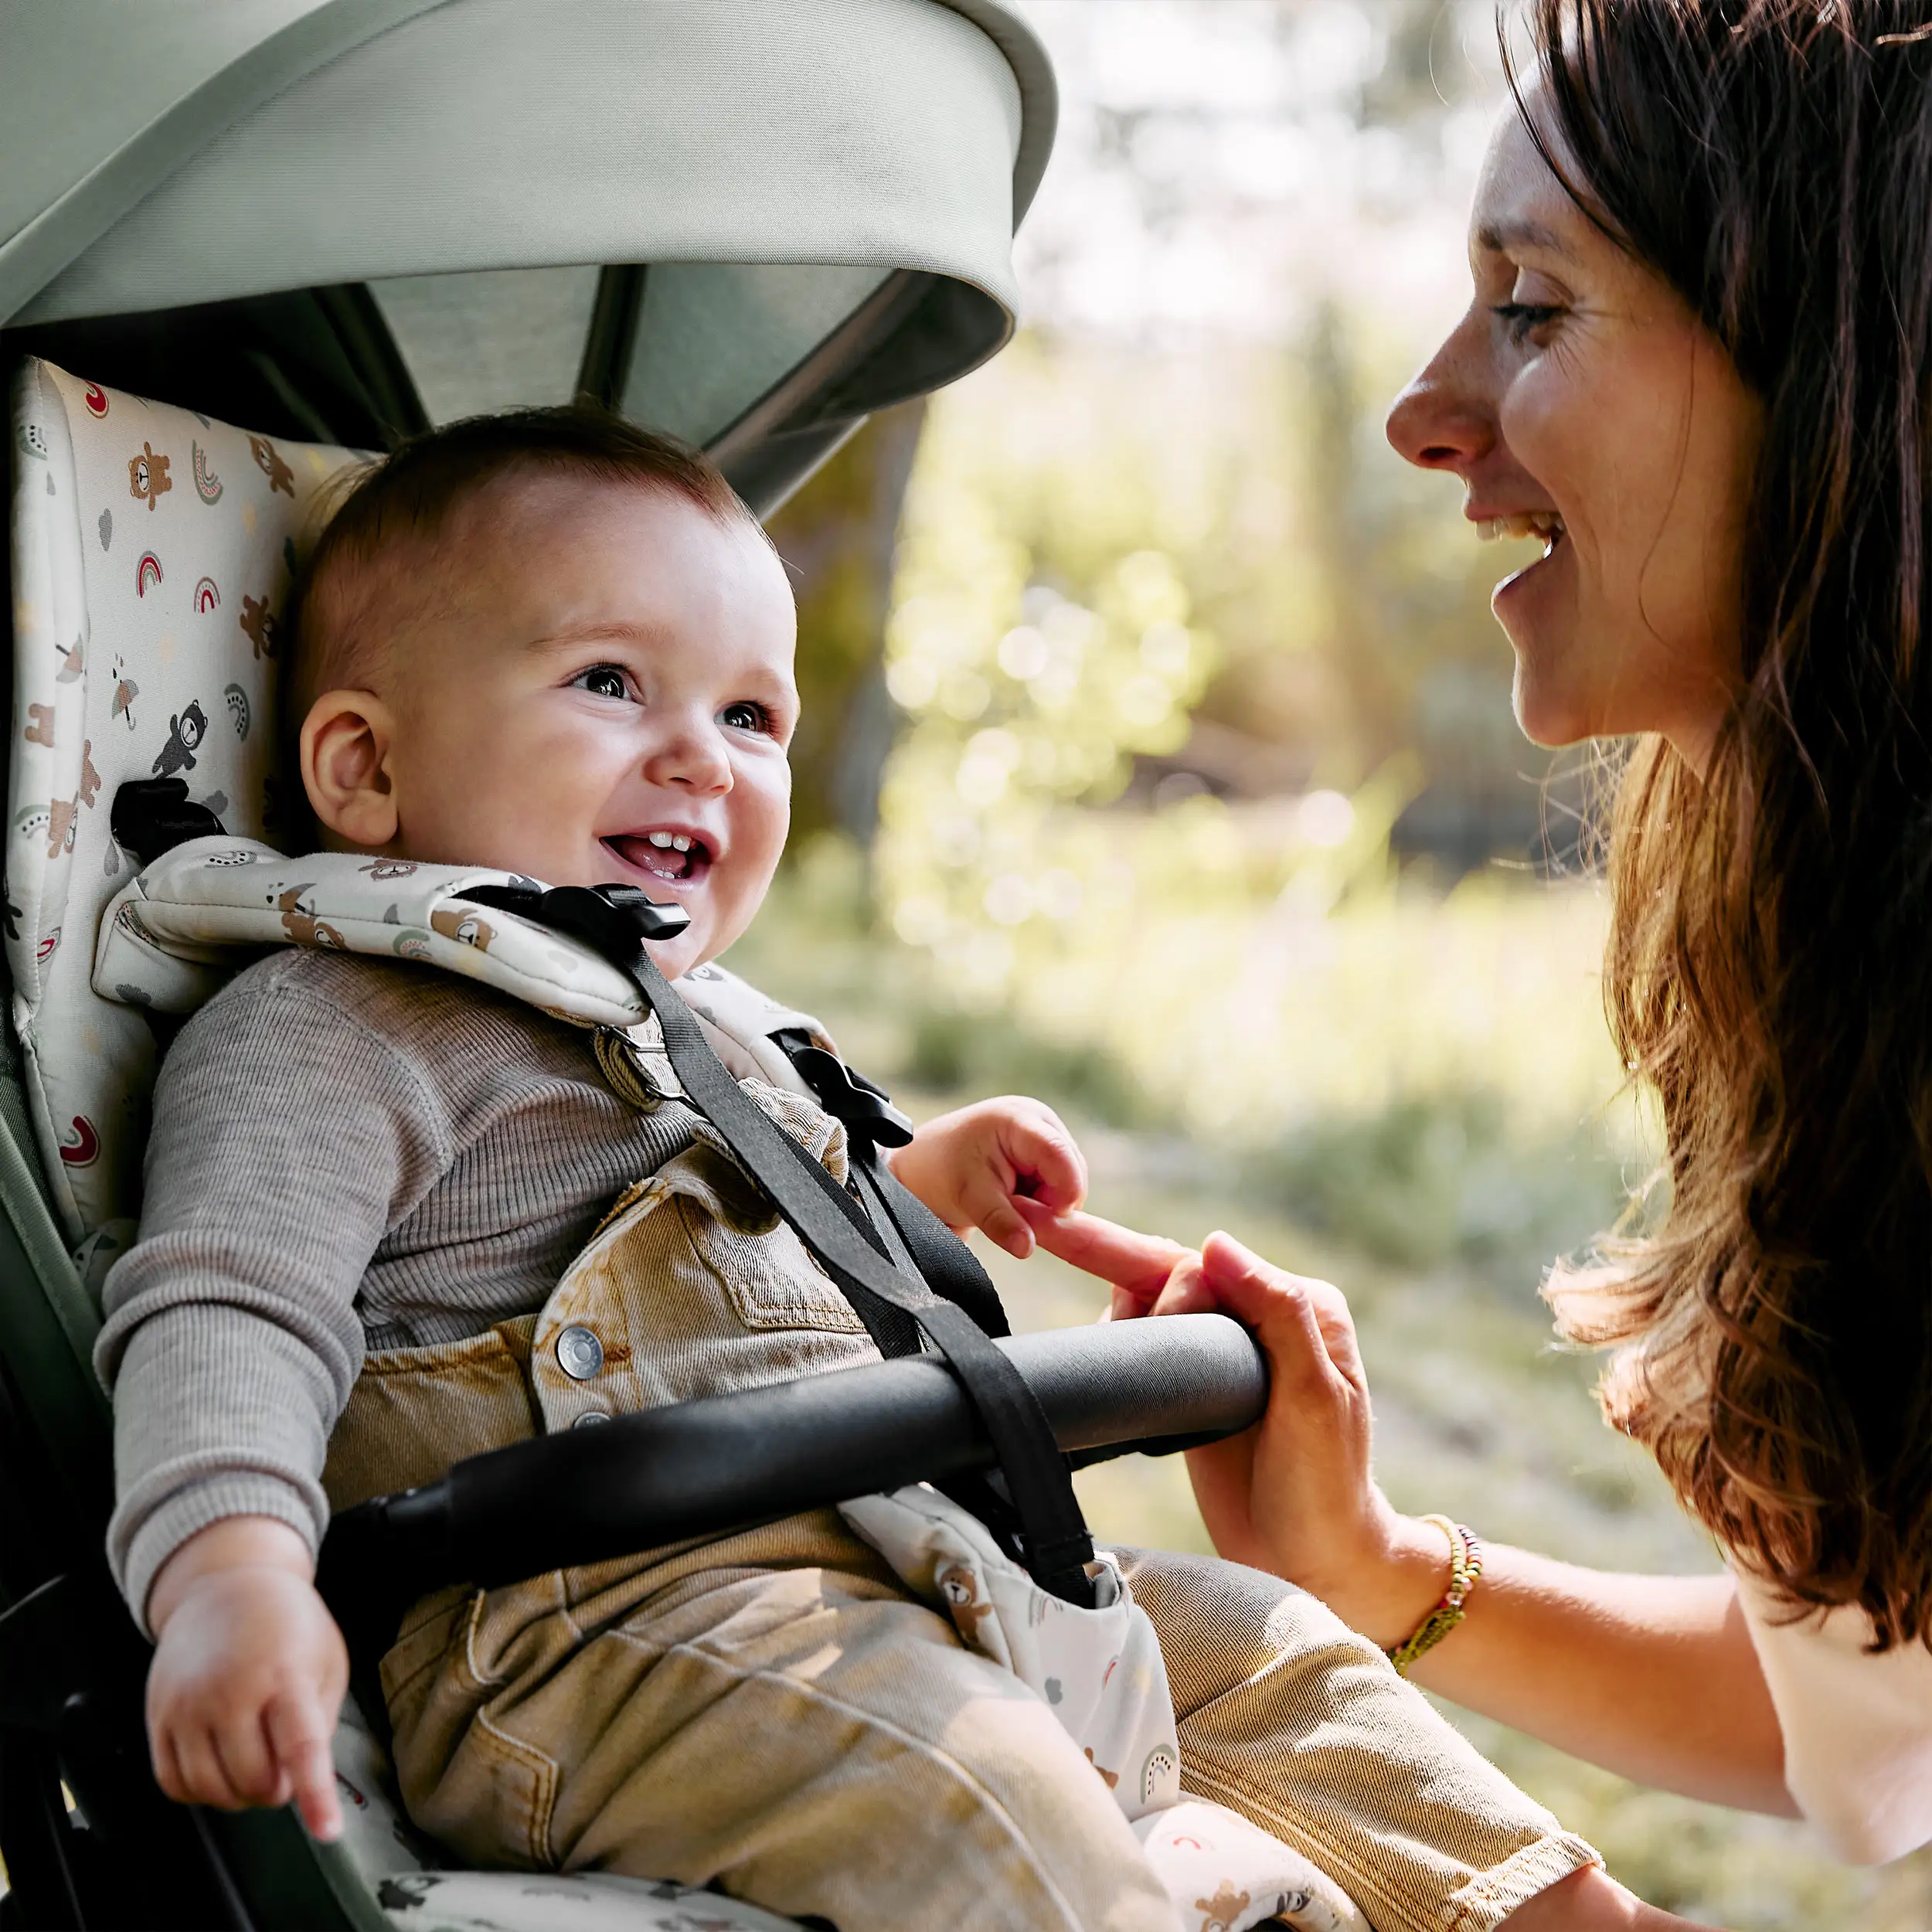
(1487, 530)
(680, 844)
(663, 840)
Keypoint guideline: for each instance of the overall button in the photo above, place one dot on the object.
(589, 1416)
(580, 1353)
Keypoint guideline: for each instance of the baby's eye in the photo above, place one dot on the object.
(746, 716)
(602, 681)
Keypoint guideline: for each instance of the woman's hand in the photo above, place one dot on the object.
(1295, 1494)
(971, 1167)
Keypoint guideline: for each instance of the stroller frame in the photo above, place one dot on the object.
(250, 329)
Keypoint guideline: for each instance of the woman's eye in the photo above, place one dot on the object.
(746, 716)
(602, 681)
(1521, 319)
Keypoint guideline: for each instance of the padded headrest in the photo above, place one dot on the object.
(152, 553)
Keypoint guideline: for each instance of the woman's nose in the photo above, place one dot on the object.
(1446, 418)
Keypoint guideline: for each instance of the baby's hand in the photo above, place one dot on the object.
(249, 1674)
(968, 1166)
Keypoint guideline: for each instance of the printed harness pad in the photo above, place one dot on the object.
(169, 939)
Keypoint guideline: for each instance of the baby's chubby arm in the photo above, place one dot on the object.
(968, 1167)
(249, 1674)
(287, 1131)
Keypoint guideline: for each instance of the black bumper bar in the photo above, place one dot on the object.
(728, 1462)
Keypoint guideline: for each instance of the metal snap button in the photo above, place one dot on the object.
(588, 1418)
(580, 1352)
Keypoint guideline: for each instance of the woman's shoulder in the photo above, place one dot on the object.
(1857, 1724)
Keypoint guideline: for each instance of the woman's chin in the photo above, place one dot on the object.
(1547, 713)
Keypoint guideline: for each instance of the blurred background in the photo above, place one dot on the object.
(1158, 760)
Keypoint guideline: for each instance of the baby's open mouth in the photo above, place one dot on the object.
(678, 858)
(1545, 524)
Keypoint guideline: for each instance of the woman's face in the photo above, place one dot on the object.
(1582, 403)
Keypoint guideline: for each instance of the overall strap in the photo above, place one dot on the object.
(615, 921)
(872, 1124)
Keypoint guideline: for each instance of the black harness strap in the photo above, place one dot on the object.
(871, 1123)
(615, 921)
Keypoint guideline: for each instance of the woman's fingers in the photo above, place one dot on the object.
(1186, 1291)
(1305, 1322)
(1139, 1264)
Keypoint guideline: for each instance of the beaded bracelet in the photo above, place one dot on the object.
(1465, 1572)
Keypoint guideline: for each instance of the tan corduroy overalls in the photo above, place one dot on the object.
(772, 1712)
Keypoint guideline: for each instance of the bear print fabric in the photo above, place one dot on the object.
(572, 1902)
(402, 1868)
(152, 551)
(1102, 1672)
(174, 932)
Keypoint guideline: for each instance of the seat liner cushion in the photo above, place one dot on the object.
(152, 554)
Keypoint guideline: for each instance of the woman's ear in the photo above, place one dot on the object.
(345, 746)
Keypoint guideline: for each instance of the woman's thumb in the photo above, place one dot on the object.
(1279, 1307)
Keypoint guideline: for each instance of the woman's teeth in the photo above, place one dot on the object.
(1545, 524)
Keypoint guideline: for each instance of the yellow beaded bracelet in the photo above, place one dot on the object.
(1465, 1572)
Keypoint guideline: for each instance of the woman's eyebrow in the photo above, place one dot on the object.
(1506, 237)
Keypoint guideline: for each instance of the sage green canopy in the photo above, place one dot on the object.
(750, 222)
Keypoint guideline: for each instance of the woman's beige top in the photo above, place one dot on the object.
(1857, 1728)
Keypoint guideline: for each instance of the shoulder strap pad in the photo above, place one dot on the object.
(168, 940)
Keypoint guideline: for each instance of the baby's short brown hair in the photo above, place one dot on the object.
(332, 637)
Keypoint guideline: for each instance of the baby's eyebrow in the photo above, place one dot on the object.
(599, 630)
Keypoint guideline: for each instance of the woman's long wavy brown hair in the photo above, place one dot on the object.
(1770, 966)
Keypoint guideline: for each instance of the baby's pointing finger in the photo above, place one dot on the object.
(295, 1729)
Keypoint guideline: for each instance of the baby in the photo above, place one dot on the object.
(376, 1194)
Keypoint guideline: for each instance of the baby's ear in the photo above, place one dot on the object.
(346, 743)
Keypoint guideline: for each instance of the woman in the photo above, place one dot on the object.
(1697, 362)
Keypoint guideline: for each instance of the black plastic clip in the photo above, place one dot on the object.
(850, 1098)
(151, 816)
(614, 920)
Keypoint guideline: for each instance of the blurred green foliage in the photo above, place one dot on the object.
(1252, 1014)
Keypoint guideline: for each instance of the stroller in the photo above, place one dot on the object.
(244, 242)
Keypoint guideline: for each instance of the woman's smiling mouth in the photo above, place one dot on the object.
(674, 856)
(1545, 524)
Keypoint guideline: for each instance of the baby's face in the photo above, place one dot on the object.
(601, 692)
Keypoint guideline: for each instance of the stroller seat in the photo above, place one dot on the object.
(752, 222)
(153, 549)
